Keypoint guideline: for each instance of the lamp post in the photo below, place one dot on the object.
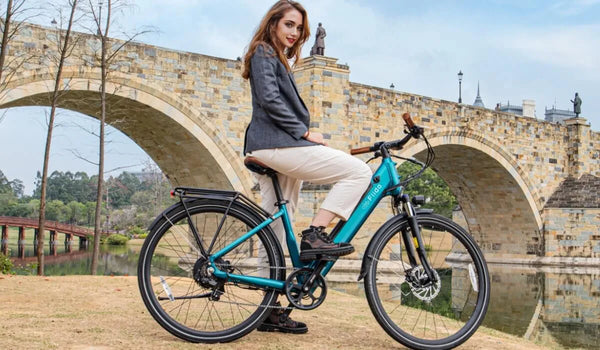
(460, 75)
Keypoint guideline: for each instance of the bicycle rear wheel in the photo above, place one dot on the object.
(441, 315)
(187, 300)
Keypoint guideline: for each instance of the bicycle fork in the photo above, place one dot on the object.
(414, 241)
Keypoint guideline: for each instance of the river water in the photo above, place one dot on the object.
(559, 307)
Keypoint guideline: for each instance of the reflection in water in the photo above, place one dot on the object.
(63, 259)
(557, 307)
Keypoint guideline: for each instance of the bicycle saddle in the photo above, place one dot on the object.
(257, 166)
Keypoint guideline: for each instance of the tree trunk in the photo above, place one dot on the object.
(104, 75)
(55, 96)
(5, 34)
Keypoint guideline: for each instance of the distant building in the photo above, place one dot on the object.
(478, 101)
(554, 115)
(525, 110)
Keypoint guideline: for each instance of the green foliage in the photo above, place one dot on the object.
(68, 186)
(133, 199)
(436, 191)
(117, 239)
(56, 210)
(137, 231)
(75, 212)
(26, 270)
(6, 266)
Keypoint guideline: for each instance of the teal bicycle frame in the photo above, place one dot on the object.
(385, 181)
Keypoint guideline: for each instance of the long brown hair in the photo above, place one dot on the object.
(266, 34)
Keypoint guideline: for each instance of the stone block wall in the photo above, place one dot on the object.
(572, 232)
(532, 156)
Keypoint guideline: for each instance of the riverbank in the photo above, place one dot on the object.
(82, 312)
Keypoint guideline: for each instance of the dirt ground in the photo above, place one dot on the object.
(87, 312)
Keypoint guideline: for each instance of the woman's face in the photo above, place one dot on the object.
(289, 28)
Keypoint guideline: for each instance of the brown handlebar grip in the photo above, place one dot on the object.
(361, 150)
(408, 120)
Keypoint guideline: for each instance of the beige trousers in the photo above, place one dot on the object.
(319, 165)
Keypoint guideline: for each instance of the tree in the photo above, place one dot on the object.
(436, 191)
(65, 48)
(4, 184)
(56, 210)
(17, 187)
(16, 14)
(109, 48)
(75, 213)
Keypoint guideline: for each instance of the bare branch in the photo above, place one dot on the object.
(78, 155)
(123, 167)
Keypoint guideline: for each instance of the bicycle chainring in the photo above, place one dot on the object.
(303, 294)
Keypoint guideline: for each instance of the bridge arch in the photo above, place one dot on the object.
(493, 191)
(200, 156)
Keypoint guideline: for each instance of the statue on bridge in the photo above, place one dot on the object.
(319, 46)
(576, 105)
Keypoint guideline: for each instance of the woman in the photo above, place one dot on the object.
(278, 136)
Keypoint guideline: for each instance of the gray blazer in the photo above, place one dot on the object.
(279, 116)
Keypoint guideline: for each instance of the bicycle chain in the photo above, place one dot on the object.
(263, 306)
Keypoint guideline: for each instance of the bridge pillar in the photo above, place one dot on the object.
(36, 235)
(578, 147)
(4, 242)
(53, 242)
(21, 243)
(68, 242)
(83, 243)
(325, 86)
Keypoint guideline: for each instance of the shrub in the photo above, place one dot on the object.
(6, 266)
(117, 239)
(138, 232)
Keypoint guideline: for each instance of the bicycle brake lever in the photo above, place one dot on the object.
(375, 156)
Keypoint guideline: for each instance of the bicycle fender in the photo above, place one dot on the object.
(366, 261)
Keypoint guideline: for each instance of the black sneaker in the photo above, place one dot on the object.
(279, 321)
(315, 244)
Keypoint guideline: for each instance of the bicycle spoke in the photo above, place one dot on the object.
(433, 311)
(204, 305)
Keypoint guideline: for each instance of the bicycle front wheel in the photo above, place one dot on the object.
(437, 315)
(177, 287)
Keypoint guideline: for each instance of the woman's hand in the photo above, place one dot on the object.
(315, 137)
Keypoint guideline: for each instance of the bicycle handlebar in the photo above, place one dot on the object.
(414, 131)
(408, 120)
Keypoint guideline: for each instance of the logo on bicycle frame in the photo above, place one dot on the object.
(371, 196)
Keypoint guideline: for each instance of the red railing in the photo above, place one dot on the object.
(49, 225)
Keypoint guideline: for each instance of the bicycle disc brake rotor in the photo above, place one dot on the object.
(304, 295)
(423, 292)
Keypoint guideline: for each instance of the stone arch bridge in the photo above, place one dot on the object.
(189, 112)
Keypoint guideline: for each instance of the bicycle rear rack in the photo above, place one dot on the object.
(207, 193)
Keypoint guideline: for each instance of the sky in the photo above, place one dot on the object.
(544, 50)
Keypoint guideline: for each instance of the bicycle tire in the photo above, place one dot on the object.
(167, 271)
(459, 306)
